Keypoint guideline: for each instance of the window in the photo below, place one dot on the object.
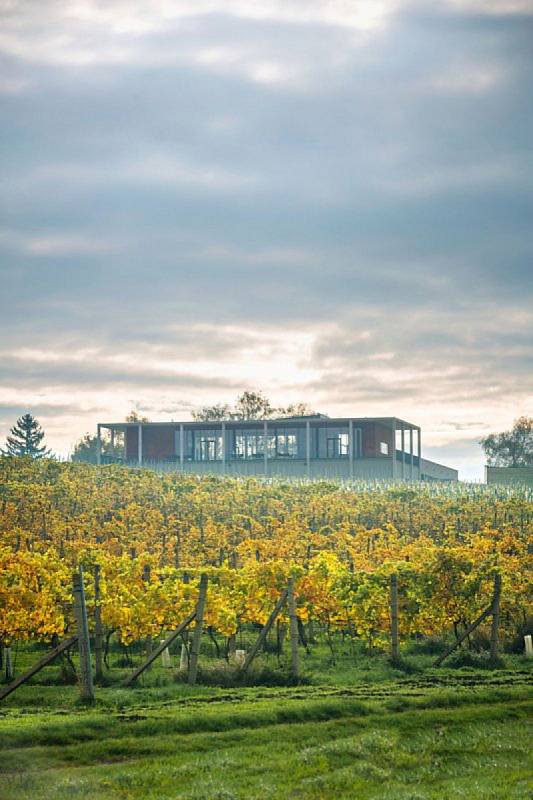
(384, 448)
(286, 445)
(207, 446)
(249, 444)
(338, 445)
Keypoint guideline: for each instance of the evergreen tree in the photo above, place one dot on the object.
(25, 440)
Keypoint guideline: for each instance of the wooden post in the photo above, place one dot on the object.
(148, 644)
(158, 650)
(8, 664)
(84, 646)
(395, 638)
(469, 630)
(47, 659)
(293, 620)
(264, 633)
(495, 617)
(98, 632)
(195, 646)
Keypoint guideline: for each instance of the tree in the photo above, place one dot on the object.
(512, 448)
(25, 439)
(250, 405)
(134, 416)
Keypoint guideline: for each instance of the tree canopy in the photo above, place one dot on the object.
(512, 448)
(25, 439)
(250, 405)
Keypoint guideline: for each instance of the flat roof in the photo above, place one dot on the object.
(313, 420)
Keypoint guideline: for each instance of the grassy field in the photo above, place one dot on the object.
(361, 729)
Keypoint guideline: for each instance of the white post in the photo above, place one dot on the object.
(98, 445)
(403, 450)
(223, 452)
(140, 445)
(308, 447)
(528, 644)
(182, 446)
(411, 454)
(393, 449)
(351, 447)
(184, 658)
(165, 656)
(265, 443)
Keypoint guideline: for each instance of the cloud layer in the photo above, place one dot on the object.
(330, 201)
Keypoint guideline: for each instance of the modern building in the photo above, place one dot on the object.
(315, 446)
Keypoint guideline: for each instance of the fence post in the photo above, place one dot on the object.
(395, 639)
(84, 646)
(9, 664)
(195, 646)
(293, 621)
(495, 617)
(98, 632)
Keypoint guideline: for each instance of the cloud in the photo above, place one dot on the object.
(331, 201)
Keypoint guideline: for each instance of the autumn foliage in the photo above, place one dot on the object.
(153, 535)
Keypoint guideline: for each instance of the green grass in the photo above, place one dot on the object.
(359, 727)
(443, 734)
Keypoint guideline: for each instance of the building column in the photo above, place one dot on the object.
(419, 454)
(140, 444)
(351, 446)
(308, 447)
(223, 452)
(403, 450)
(411, 454)
(393, 449)
(265, 448)
(182, 445)
(98, 445)
(113, 442)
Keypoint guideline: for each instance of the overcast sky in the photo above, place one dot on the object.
(329, 200)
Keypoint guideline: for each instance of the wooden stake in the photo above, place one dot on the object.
(495, 617)
(395, 638)
(84, 645)
(469, 630)
(98, 632)
(47, 659)
(197, 635)
(8, 664)
(158, 650)
(264, 633)
(293, 622)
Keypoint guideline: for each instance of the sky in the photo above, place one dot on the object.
(330, 201)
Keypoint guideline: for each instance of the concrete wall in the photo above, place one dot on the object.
(509, 475)
(431, 471)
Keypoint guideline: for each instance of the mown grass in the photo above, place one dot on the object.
(360, 727)
(413, 738)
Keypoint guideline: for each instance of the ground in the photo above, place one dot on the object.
(359, 729)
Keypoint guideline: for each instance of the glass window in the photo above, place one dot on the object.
(286, 444)
(338, 445)
(208, 445)
(248, 444)
(384, 448)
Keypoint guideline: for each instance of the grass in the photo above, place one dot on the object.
(358, 726)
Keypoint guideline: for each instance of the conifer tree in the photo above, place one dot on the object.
(25, 439)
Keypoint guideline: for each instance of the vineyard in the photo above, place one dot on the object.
(150, 538)
(370, 584)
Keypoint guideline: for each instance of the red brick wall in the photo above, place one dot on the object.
(132, 444)
(158, 442)
(373, 433)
